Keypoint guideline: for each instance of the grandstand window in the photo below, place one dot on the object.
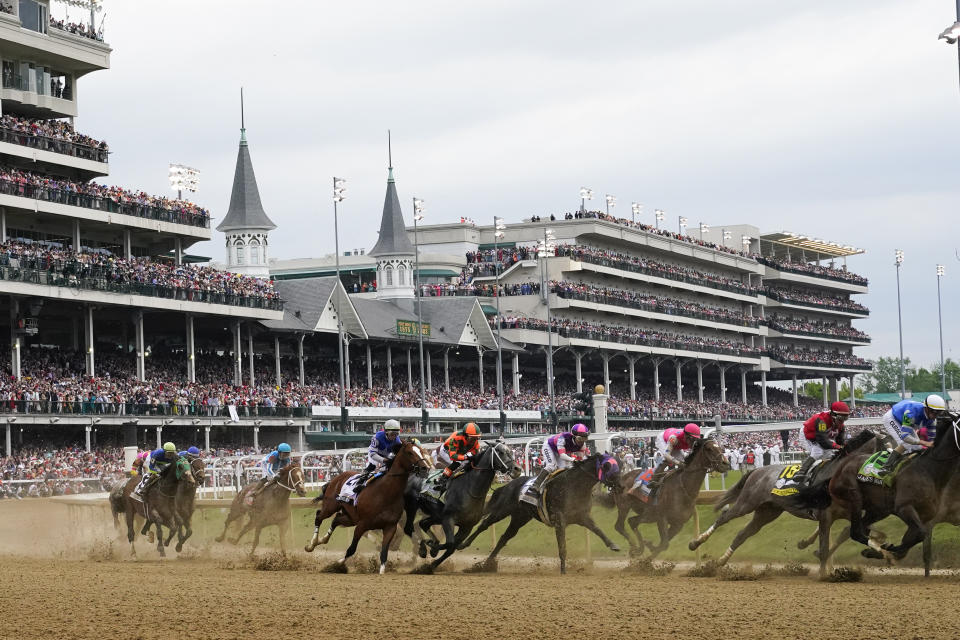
(254, 252)
(241, 255)
(388, 275)
(401, 275)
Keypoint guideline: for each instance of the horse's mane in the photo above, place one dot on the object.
(857, 441)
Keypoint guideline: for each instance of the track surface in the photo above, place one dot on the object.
(63, 582)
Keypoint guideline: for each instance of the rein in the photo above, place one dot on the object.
(290, 489)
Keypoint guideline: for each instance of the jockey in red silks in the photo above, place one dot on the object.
(671, 444)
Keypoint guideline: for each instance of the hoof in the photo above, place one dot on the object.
(309, 547)
(179, 547)
(692, 545)
(614, 547)
(423, 570)
(422, 551)
(335, 567)
(873, 554)
(636, 552)
(434, 551)
(486, 566)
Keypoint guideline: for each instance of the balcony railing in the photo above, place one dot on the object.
(96, 279)
(81, 406)
(832, 306)
(44, 143)
(865, 339)
(103, 203)
(819, 364)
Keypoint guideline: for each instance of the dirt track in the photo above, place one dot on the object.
(87, 592)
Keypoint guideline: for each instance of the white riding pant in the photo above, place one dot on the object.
(552, 461)
(892, 427)
(663, 449)
(813, 449)
(443, 456)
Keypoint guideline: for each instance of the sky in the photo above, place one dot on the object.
(833, 120)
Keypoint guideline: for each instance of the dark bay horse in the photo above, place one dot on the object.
(463, 501)
(677, 498)
(752, 494)
(379, 505)
(915, 497)
(568, 501)
(270, 508)
(184, 501)
(157, 506)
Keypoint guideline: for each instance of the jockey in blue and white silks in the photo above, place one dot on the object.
(271, 464)
(903, 420)
(383, 447)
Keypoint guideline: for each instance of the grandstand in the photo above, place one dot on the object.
(116, 329)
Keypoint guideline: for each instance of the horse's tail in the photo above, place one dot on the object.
(323, 489)
(732, 493)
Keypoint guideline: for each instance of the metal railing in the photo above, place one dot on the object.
(54, 145)
(779, 297)
(103, 282)
(865, 339)
(93, 407)
(103, 203)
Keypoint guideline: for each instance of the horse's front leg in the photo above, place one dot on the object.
(588, 523)
(560, 528)
(451, 541)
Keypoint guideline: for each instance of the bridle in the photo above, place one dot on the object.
(420, 462)
(494, 457)
(295, 483)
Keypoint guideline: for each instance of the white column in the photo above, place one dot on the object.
(446, 369)
(515, 373)
(256, 438)
(237, 355)
(159, 436)
(480, 366)
(429, 371)
(796, 399)
(346, 362)
(578, 368)
(699, 381)
(679, 367)
(76, 235)
(826, 401)
(140, 346)
(178, 251)
(723, 384)
(301, 441)
(14, 339)
(3, 224)
(191, 351)
(251, 375)
(600, 421)
(834, 389)
(303, 376)
(633, 381)
(206, 438)
(369, 367)
(276, 359)
(127, 244)
(743, 386)
(853, 394)
(389, 367)
(87, 429)
(763, 387)
(606, 372)
(88, 340)
(656, 379)
(9, 443)
(409, 372)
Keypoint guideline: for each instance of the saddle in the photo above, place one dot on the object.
(869, 471)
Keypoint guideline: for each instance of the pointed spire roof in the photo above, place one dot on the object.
(246, 211)
(393, 231)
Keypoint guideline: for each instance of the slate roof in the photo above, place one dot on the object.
(393, 239)
(246, 210)
(304, 301)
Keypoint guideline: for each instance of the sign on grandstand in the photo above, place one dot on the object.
(408, 328)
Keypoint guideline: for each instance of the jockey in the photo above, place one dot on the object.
(559, 451)
(460, 447)
(821, 435)
(137, 467)
(902, 422)
(671, 444)
(190, 454)
(157, 461)
(383, 447)
(271, 464)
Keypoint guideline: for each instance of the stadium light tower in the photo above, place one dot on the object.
(417, 217)
(637, 210)
(585, 194)
(704, 228)
(658, 217)
(745, 241)
(726, 235)
(339, 193)
(682, 224)
(611, 202)
(952, 33)
(943, 372)
(498, 231)
(184, 178)
(898, 259)
(544, 249)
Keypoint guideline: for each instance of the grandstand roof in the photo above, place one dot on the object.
(246, 210)
(788, 239)
(310, 304)
(393, 239)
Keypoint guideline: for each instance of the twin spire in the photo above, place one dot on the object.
(393, 239)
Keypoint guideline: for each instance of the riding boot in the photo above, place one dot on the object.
(657, 478)
(800, 476)
(361, 481)
(532, 495)
(892, 460)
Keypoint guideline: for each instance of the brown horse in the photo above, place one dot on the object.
(183, 503)
(270, 508)
(379, 506)
(915, 498)
(677, 500)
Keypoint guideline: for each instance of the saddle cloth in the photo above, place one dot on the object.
(870, 469)
(785, 484)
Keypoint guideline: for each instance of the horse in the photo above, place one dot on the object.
(270, 508)
(677, 498)
(752, 494)
(915, 498)
(184, 501)
(463, 501)
(156, 507)
(121, 503)
(330, 504)
(379, 506)
(567, 501)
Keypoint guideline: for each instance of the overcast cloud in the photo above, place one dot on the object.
(837, 120)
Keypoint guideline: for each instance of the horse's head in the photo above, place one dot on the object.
(502, 459)
(857, 441)
(183, 471)
(198, 469)
(608, 470)
(294, 478)
(713, 454)
(427, 454)
(411, 458)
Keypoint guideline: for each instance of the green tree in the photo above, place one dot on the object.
(885, 377)
(812, 389)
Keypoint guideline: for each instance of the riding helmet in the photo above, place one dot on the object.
(840, 407)
(471, 430)
(169, 446)
(283, 447)
(691, 430)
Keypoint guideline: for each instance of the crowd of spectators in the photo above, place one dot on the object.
(818, 358)
(18, 182)
(102, 270)
(794, 296)
(812, 269)
(6, 7)
(76, 29)
(52, 135)
(570, 328)
(817, 328)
